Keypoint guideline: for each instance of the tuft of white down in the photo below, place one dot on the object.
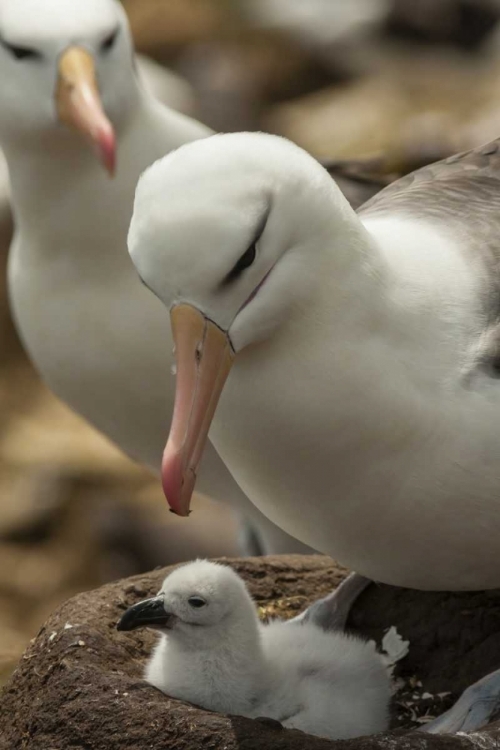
(331, 684)
(324, 683)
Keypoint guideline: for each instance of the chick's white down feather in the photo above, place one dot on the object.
(222, 658)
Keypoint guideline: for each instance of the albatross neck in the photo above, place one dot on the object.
(385, 285)
(57, 170)
(351, 273)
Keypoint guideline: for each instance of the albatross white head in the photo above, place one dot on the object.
(64, 63)
(228, 232)
(198, 603)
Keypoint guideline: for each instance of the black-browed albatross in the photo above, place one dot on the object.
(67, 76)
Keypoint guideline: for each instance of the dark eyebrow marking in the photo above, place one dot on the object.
(109, 40)
(242, 263)
(20, 52)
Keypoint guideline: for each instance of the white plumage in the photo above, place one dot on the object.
(99, 340)
(361, 351)
(215, 653)
(168, 88)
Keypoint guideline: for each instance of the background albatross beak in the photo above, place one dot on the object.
(79, 104)
(204, 358)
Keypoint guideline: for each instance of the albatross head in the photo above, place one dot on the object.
(194, 603)
(64, 63)
(221, 233)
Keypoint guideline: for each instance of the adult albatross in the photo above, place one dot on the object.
(71, 107)
(361, 413)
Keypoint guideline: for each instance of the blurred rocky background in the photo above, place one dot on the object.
(397, 83)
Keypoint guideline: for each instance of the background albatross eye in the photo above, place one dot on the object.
(21, 53)
(196, 602)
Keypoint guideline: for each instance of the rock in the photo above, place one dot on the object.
(317, 22)
(159, 25)
(79, 684)
(236, 76)
(407, 100)
(464, 23)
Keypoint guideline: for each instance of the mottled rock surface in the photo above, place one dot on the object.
(79, 686)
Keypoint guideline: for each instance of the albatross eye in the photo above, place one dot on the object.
(21, 53)
(109, 42)
(196, 602)
(245, 261)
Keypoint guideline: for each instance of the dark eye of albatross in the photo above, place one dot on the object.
(110, 40)
(196, 602)
(20, 53)
(245, 261)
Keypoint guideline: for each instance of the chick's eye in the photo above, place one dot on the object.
(245, 261)
(109, 42)
(21, 53)
(196, 602)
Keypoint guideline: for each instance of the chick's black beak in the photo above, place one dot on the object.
(147, 614)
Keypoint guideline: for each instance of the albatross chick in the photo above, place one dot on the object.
(215, 653)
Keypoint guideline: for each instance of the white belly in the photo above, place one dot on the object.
(394, 503)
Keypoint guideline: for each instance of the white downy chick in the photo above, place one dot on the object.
(215, 653)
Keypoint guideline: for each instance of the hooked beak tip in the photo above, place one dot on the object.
(173, 483)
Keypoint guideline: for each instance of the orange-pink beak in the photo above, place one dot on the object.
(79, 104)
(204, 357)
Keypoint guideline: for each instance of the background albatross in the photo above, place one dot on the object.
(69, 99)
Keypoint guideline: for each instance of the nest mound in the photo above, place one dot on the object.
(79, 685)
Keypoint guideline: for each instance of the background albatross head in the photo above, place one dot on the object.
(64, 64)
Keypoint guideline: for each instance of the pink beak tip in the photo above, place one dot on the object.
(107, 144)
(172, 482)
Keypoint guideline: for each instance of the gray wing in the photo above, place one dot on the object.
(462, 193)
